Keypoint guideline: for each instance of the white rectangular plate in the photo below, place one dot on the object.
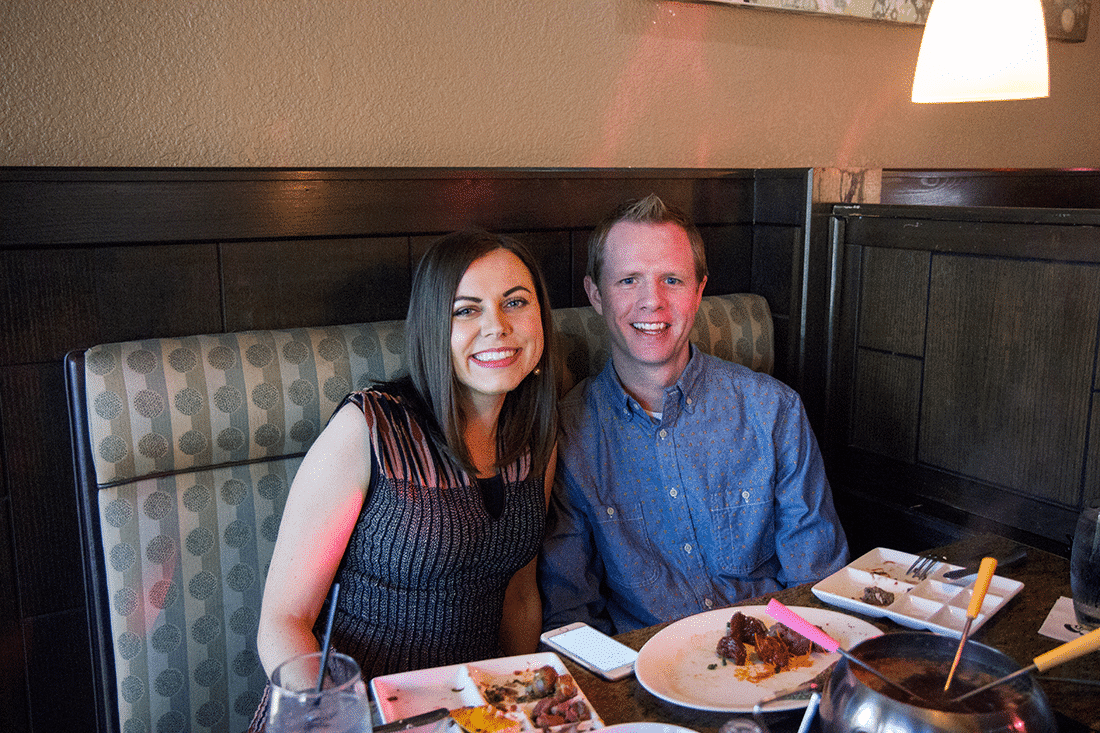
(932, 603)
(411, 693)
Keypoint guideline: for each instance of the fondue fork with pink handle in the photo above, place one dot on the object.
(788, 617)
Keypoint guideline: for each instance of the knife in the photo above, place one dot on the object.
(971, 567)
(413, 722)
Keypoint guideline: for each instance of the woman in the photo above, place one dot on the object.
(426, 497)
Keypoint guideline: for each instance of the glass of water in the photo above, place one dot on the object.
(341, 706)
(1084, 569)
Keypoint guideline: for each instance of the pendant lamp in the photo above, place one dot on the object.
(980, 50)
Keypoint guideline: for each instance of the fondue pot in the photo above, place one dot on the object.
(854, 702)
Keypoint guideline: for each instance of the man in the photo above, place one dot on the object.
(685, 482)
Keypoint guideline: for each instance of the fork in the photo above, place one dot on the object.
(924, 564)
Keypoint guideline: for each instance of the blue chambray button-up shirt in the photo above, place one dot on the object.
(723, 498)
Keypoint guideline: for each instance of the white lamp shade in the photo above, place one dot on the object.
(980, 50)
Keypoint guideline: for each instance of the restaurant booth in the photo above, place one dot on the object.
(942, 328)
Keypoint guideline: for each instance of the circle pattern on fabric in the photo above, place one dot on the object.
(196, 498)
(336, 388)
(188, 401)
(295, 352)
(172, 722)
(208, 672)
(331, 349)
(142, 361)
(269, 528)
(168, 682)
(129, 644)
(228, 399)
(148, 404)
(302, 431)
(301, 392)
(133, 689)
(233, 492)
(268, 435)
(364, 345)
(166, 639)
(126, 601)
(112, 449)
(265, 396)
(123, 557)
(119, 513)
(108, 405)
(259, 355)
(206, 629)
(230, 439)
(243, 621)
(209, 713)
(153, 446)
(200, 541)
(221, 358)
(395, 342)
(100, 362)
(270, 486)
(237, 534)
(183, 360)
(163, 594)
(245, 663)
(203, 585)
(136, 725)
(240, 577)
(192, 443)
(246, 703)
(157, 505)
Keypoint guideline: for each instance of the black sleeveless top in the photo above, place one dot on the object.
(422, 581)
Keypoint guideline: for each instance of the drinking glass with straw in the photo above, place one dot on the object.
(319, 691)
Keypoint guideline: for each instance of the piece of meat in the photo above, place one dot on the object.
(772, 651)
(745, 628)
(732, 649)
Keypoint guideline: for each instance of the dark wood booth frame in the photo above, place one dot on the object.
(91, 256)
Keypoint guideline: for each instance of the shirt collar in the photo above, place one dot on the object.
(685, 391)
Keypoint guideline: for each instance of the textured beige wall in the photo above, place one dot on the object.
(539, 83)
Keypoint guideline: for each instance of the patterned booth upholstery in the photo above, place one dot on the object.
(185, 449)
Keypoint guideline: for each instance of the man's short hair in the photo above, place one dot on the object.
(649, 210)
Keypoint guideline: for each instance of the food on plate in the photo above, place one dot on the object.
(484, 719)
(778, 648)
(877, 596)
(548, 698)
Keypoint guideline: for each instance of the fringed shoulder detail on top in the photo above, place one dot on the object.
(404, 449)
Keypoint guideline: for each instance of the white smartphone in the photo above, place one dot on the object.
(592, 649)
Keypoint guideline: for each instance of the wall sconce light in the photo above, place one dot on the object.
(981, 50)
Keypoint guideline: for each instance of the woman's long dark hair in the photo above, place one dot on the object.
(528, 418)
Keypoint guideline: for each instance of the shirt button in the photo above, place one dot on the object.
(687, 548)
(744, 495)
(709, 603)
(664, 433)
(611, 511)
(673, 493)
(689, 402)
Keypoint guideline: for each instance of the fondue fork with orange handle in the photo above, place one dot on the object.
(1069, 651)
(977, 596)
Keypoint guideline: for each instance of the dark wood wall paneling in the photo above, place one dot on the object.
(91, 256)
(964, 386)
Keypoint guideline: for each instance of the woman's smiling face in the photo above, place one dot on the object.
(496, 327)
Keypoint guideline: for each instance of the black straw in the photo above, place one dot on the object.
(328, 634)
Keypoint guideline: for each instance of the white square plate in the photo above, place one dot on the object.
(932, 603)
(411, 693)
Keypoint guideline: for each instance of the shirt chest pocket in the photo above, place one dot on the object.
(744, 528)
(625, 546)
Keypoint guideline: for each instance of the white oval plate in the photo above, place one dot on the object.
(674, 664)
(645, 728)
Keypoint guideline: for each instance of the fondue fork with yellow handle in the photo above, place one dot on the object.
(1069, 651)
(977, 596)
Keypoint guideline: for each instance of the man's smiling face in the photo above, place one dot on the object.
(648, 295)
